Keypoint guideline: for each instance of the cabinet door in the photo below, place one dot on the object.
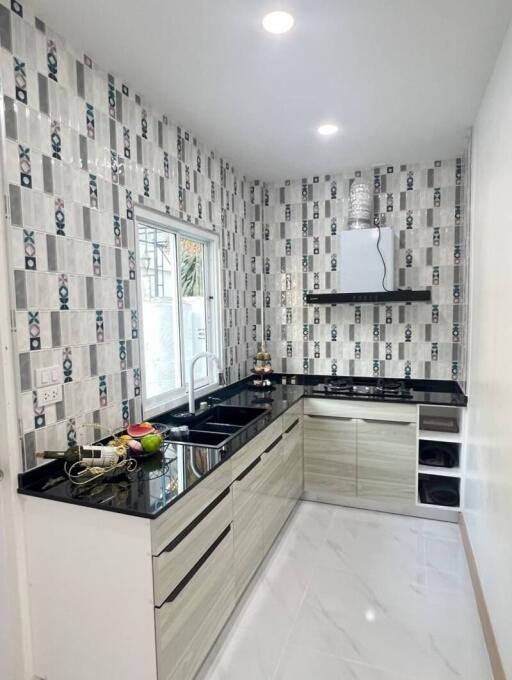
(330, 455)
(247, 525)
(386, 460)
(293, 437)
(270, 485)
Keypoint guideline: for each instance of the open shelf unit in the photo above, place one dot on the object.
(438, 471)
(432, 436)
(429, 475)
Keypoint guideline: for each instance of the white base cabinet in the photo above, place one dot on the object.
(100, 579)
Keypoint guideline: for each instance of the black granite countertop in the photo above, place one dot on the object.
(162, 480)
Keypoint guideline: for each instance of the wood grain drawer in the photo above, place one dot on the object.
(293, 439)
(245, 489)
(165, 528)
(339, 408)
(248, 453)
(294, 412)
(187, 626)
(248, 545)
(172, 565)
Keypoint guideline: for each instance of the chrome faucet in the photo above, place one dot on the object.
(207, 355)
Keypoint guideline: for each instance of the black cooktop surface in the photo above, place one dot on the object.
(392, 390)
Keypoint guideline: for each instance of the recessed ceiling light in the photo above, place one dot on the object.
(328, 129)
(277, 22)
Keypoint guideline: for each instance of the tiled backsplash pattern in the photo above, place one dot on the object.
(424, 204)
(82, 149)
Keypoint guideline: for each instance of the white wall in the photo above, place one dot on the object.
(488, 501)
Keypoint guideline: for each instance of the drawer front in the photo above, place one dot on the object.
(245, 487)
(269, 472)
(248, 546)
(243, 458)
(165, 528)
(330, 455)
(171, 566)
(272, 520)
(293, 440)
(187, 626)
(247, 524)
(386, 460)
(337, 408)
(292, 482)
(278, 469)
(294, 412)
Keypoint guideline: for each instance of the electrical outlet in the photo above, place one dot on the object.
(49, 395)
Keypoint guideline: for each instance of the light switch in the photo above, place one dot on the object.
(50, 375)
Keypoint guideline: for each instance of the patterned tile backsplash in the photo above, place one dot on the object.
(425, 206)
(82, 149)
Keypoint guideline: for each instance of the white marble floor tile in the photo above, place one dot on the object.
(353, 595)
(299, 663)
(348, 616)
(248, 654)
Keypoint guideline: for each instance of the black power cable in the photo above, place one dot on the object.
(383, 262)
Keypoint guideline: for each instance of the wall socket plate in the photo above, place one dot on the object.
(49, 395)
(50, 375)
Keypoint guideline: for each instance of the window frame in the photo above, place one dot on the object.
(154, 406)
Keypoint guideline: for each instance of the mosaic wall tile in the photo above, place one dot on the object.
(425, 206)
(73, 245)
(82, 149)
(20, 80)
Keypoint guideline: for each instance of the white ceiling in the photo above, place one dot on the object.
(402, 78)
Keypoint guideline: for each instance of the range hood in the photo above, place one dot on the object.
(372, 297)
(366, 258)
(366, 273)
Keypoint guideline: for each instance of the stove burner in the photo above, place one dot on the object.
(392, 387)
(363, 389)
(383, 389)
(340, 384)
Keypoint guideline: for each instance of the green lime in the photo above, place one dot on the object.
(151, 443)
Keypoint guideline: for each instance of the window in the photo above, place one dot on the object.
(180, 312)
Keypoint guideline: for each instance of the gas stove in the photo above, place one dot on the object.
(381, 389)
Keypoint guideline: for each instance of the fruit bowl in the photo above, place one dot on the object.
(145, 439)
